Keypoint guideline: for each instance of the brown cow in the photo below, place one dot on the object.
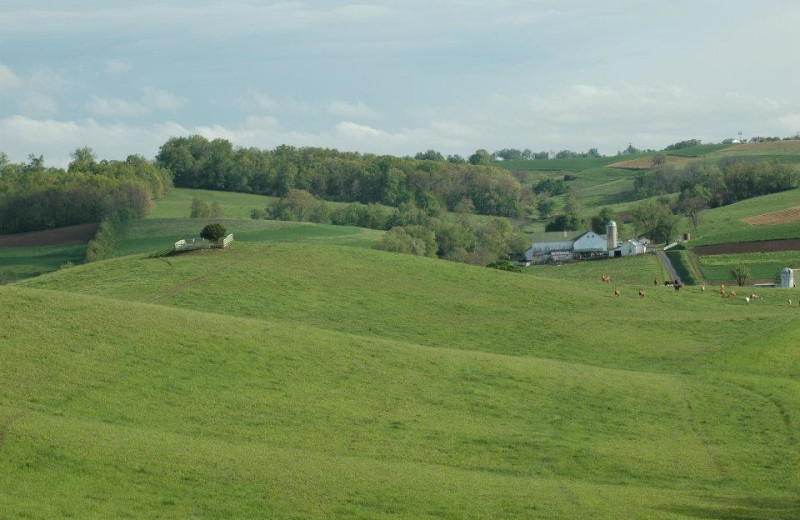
(655, 281)
(732, 294)
(641, 294)
(606, 278)
(722, 290)
(616, 292)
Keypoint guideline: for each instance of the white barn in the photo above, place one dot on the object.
(567, 245)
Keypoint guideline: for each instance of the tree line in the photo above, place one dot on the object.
(34, 197)
(196, 162)
(729, 181)
(410, 229)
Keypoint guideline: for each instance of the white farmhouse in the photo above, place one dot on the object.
(568, 245)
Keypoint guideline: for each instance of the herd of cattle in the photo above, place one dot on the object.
(676, 284)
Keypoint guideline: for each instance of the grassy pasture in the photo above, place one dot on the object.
(699, 151)
(426, 301)
(178, 203)
(632, 271)
(763, 266)
(313, 381)
(24, 262)
(774, 148)
(724, 224)
(151, 235)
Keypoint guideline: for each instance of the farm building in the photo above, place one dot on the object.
(569, 245)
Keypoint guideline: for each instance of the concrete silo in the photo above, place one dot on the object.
(611, 234)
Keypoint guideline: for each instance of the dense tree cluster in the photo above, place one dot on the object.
(688, 143)
(411, 229)
(731, 180)
(429, 182)
(33, 197)
(550, 187)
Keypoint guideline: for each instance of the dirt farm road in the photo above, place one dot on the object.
(670, 269)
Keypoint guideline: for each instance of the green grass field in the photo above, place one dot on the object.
(724, 224)
(314, 381)
(178, 203)
(635, 272)
(763, 266)
(699, 151)
(153, 235)
(24, 262)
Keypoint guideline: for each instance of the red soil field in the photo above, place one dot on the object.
(79, 234)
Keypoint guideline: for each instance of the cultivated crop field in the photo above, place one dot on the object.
(763, 266)
(316, 381)
(783, 216)
(727, 223)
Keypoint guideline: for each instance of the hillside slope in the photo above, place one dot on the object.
(309, 381)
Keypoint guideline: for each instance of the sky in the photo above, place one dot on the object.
(395, 76)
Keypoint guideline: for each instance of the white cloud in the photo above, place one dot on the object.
(45, 79)
(151, 100)
(117, 67)
(107, 107)
(357, 110)
(56, 140)
(8, 80)
(161, 99)
(33, 102)
(286, 104)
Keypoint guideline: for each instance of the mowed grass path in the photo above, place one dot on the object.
(312, 381)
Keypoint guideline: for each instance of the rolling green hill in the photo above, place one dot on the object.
(724, 224)
(317, 381)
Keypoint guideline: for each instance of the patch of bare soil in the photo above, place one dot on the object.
(79, 234)
(763, 246)
(783, 216)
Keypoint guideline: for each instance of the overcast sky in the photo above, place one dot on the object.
(394, 76)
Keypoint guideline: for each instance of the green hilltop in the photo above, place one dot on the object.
(281, 380)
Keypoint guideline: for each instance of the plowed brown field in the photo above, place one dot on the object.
(764, 246)
(79, 234)
(783, 216)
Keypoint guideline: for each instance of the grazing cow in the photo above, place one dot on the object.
(616, 292)
(655, 281)
(667, 283)
(732, 294)
(641, 294)
(677, 286)
(755, 297)
(722, 290)
(606, 278)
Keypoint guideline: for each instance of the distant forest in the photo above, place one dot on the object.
(196, 162)
(34, 197)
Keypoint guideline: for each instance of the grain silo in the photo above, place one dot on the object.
(787, 277)
(611, 234)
